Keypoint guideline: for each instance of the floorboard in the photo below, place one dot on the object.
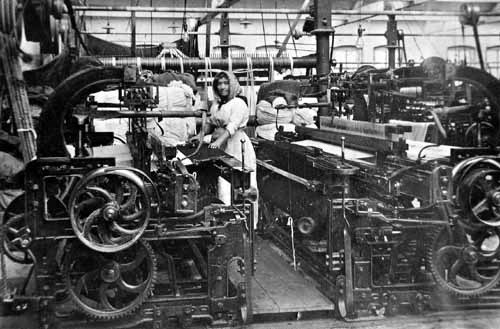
(277, 288)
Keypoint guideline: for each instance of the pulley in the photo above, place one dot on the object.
(470, 14)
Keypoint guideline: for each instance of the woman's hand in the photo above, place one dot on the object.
(219, 138)
(215, 145)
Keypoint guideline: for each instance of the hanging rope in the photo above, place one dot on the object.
(276, 23)
(463, 43)
(251, 96)
(72, 19)
(293, 39)
(263, 29)
(181, 64)
(271, 69)
(208, 80)
(291, 63)
(151, 30)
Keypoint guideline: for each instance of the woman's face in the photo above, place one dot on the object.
(223, 87)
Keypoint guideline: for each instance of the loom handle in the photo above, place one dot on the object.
(342, 147)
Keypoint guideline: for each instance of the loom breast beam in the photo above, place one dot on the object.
(156, 64)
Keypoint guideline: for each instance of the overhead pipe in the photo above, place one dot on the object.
(187, 64)
(338, 34)
(273, 11)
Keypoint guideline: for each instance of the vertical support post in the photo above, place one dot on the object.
(392, 40)
(208, 36)
(224, 35)
(133, 38)
(322, 29)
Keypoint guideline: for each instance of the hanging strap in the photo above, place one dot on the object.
(181, 64)
(163, 65)
(291, 63)
(139, 66)
(271, 68)
(206, 76)
(230, 64)
(250, 77)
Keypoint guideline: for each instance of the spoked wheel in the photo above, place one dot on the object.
(481, 197)
(466, 264)
(17, 238)
(109, 209)
(108, 286)
(17, 235)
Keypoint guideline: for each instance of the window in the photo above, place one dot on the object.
(349, 55)
(462, 53)
(380, 57)
(493, 60)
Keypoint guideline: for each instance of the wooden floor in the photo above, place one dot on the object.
(277, 288)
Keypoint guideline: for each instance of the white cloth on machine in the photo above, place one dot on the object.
(173, 131)
(267, 113)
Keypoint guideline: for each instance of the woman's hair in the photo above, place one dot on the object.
(218, 76)
(234, 86)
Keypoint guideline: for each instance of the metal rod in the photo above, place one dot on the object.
(478, 47)
(273, 11)
(292, 28)
(446, 35)
(149, 114)
(153, 63)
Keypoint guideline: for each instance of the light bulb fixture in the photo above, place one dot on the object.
(360, 42)
(108, 27)
(245, 22)
(174, 27)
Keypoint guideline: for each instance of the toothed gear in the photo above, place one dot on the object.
(108, 286)
(465, 264)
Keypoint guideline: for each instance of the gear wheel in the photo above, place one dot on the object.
(465, 264)
(479, 196)
(109, 286)
(17, 238)
(17, 235)
(109, 209)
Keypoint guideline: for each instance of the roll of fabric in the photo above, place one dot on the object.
(266, 114)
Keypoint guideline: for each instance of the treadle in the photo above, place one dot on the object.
(278, 289)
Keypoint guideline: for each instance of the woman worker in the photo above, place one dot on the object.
(229, 116)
